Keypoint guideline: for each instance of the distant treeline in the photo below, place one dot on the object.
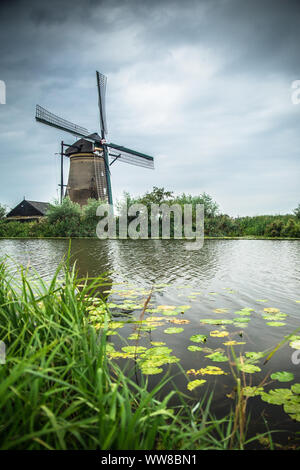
(70, 220)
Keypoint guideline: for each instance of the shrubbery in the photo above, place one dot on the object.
(70, 220)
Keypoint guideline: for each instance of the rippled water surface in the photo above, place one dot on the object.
(224, 274)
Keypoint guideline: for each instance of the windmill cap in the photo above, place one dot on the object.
(83, 145)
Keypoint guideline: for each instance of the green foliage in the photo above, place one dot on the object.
(63, 212)
(2, 211)
(70, 220)
(297, 211)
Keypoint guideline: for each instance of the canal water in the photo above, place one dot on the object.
(234, 280)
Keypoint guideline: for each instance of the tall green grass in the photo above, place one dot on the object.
(58, 390)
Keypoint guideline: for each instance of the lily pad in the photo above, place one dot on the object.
(219, 334)
(275, 323)
(209, 321)
(233, 343)
(134, 349)
(272, 310)
(198, 338)
(244, 311)
(221, 310)
(173, 330)
(254, 356)
(277, 396)
(195, 383)
(249, 368)
(295, 344)
(134, 336)
(195, 348)
(296, 388)
(252, 391)
(242, 320)
(150, 370)
(282, 376)
(217, 357)
(179, 321)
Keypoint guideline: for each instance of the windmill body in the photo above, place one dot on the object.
(87, 174)
(91, 156)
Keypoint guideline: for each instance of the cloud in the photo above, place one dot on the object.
(202, 85)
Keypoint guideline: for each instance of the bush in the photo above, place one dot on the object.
(2, 211)
(65, 218)
(274, 229)
(291, 229)
(297, 211)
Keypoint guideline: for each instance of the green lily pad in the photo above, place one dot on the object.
(295, 344)
(169, 313)
(282, 376)
(252, 391)
(209, 321)
(134, 336)
(198, 338)
(292, 406)
(296, 389)
(254, 356)
(242, 320)
(134, 349)
(149, 370)
(244, 311)
(278, 317)
(173, 330)
(217, 357)
(278, 396)
(195, 348)
(249, 368)
(275, 323)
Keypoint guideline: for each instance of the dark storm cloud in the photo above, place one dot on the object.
(204, 85)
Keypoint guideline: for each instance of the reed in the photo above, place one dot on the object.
(58, 390)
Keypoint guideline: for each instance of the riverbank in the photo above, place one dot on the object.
(61, 389)
(69, 220)
(205, 238)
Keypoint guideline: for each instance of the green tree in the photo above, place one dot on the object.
(2, 211)
(297, 211)
(274, 229)
(65, 218)
(291, 229)
(89, 217)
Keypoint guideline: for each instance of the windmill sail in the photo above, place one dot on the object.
(101, 85)
(46, 117)
(123, 154)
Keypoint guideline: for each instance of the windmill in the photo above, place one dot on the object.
(91, 156)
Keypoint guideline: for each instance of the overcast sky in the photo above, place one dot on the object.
(204, 86)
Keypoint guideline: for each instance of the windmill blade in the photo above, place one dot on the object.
(44, 116)
(101, 85)
(126, 155)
